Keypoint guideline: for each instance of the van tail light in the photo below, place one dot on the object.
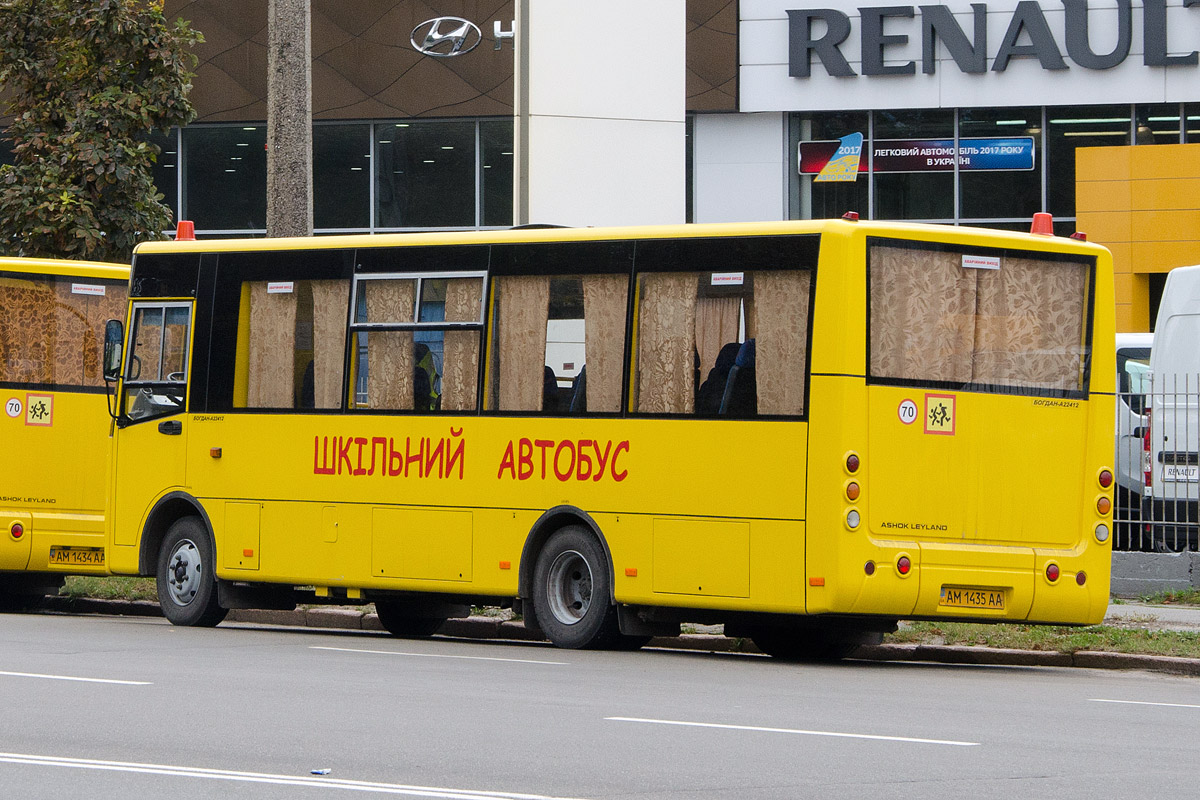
(1146, 451)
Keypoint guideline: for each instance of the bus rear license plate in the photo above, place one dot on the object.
(967, 597)
(77, 556)
(1189, 473)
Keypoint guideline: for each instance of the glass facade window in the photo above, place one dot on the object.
(342, 176)
(166, 169)
(225, 178)
(1001, 192)
(992, 167)
(1069, 127)
(496, 144)
(917, 194)
(426, 175)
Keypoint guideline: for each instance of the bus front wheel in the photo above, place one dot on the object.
(571, 591)
(187, 583)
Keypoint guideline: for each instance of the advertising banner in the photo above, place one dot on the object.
(927, 155)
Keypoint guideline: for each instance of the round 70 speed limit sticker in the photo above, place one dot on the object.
(13, 407)
(907, 412)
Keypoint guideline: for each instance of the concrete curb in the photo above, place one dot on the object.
(491, 628)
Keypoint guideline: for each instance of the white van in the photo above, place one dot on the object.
(1133, 381)
(1172, 448)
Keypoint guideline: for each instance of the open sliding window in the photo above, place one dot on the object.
(992, 320)
(416, 341)
(723, 326)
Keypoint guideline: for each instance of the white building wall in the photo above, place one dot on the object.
(739, 164)
(600, 132)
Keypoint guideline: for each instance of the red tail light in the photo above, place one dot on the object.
(17, 530)
(1146, 450)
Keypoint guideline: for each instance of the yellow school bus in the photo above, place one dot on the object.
(55, 429)
(804, 430)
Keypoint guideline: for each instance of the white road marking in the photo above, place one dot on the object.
(267, 778)
(1142, 703)
(74, 678)
(439, 655)
(836, 734)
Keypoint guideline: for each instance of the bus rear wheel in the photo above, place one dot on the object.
(187, 583)
(572, 590)
(397, 618)
(807, 644)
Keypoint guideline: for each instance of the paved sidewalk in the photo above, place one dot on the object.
(1135, 615)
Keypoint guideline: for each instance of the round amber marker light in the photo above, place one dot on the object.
(1104, 505)
(852, 490)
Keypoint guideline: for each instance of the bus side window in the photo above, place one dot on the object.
(410, 355)
(559, 343)
(295, 334)
(731, 345)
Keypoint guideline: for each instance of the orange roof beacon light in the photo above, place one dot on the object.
(1043, 224)
(185, 231)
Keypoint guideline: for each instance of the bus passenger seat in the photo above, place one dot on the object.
(708, 398)
(740, 398)
(579, 392)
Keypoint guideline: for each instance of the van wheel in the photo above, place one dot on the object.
(572, 591)
(397, 619)
(187, 583)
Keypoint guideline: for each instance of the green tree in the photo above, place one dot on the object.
(86, 82)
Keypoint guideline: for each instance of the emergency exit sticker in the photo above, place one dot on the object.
(39, 409)
(939, 414)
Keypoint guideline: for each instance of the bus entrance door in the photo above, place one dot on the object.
(152, 437)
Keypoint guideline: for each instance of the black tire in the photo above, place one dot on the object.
(187, 583)
(572, 592)
(397, 619)
(806, 644)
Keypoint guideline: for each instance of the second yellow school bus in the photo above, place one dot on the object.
(54, 442)
(805, 430)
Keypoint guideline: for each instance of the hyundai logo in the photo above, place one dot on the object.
(443, 37)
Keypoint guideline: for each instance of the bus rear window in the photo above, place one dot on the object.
(52, 328)
(996, 319)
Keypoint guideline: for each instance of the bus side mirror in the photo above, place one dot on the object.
(114, 338)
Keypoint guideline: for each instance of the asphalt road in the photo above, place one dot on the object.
(103, 707)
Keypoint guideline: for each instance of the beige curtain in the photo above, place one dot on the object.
(716, 325)
(68, 335)
(330, 300)
(460, 355)
(271, 381)
(148, 344)
(523, 309)
(1029, 329)
(667, 343)
(390, 353)
(780, 313)
(99, 311)
(922, 314)
(26, 330)
(605, 298)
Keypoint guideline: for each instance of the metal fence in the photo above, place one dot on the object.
(1157, 463)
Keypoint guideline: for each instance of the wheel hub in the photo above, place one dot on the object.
(569, 587)
(185, 571)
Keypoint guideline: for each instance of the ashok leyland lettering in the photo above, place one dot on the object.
(805, 430)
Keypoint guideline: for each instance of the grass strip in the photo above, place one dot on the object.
(1183, 644)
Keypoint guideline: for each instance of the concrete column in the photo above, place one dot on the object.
(289, 118)
(600, 103)
(739, 167)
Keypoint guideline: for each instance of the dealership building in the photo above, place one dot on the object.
(978, 113)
